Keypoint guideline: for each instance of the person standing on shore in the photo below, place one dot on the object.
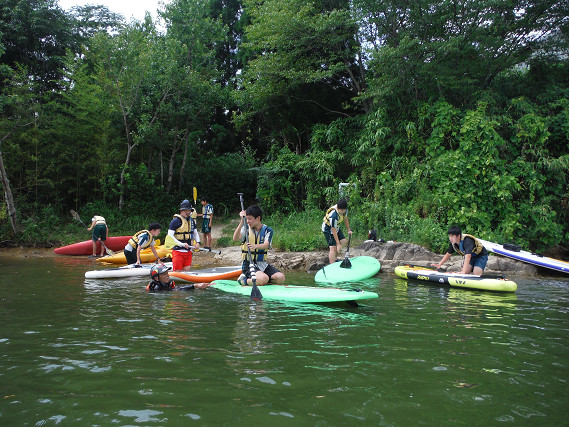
(207, 215)
(334, 216)
(100, 233)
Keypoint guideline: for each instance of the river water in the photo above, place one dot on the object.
(104, 352)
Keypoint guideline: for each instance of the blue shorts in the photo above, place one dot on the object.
(330, 237)
(479, 261)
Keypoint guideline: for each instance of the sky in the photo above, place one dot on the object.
(127, 8)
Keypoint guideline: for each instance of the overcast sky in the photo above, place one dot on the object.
(127, 8)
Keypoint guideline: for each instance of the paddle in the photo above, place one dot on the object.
(195, 212)
(255, 292)
(170, 243)
(486, 276)
(76, 216)
(346, 263)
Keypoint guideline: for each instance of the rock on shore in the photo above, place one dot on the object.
(389, 254)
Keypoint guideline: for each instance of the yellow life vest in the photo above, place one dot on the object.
(184, 232)
(256, 254)
(477, 245)
(133, 241)
(99, 220)
(329, 211)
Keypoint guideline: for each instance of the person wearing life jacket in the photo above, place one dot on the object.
(475, 254)
(260, 237)
(142, 240)
(334, 216)
(161, 281)
(181, 231)
(100, 233)
(207, 215)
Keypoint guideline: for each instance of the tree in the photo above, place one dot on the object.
(19, 110)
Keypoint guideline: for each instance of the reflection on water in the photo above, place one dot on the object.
(104, 352)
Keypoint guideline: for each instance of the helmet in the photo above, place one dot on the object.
(185, 205)
(157, 270)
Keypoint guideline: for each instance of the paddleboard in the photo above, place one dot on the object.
(208, 275)
(528, 257)
(363, 267)
(114, 243)
(469, 281)
(290, 293)
(130, 270)
(146, 255)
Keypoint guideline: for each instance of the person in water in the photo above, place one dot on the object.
(161, 281)
(475, 254)
(334, 216)
(260, 238)
(141, 240)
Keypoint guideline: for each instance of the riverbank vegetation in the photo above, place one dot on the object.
(434, 114)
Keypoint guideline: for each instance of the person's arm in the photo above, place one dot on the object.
(158, 259)
(237, 232)
(347, 221)
(445, 259)
(466, 263)
(92, 225)
(210, 219)
(138, 254)
(196, 238)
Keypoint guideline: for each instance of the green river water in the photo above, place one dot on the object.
(104, 352)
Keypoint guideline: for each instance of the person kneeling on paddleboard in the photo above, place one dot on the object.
(475, 255)
(257, 242)
(161, 281)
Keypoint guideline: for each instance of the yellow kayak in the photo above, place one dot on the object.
(146, 255)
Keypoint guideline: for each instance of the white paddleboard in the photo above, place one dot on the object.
(130, 270)
(528, 257)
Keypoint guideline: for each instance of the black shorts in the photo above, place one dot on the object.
(269, 270)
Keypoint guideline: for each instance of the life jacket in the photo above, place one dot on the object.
(460, 247)
(185, 231)
(133, 241)
(99, 220)
(155, 286)
(256, 254)
(207, 210)
(329, 212)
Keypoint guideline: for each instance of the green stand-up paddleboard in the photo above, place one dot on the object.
(362, 267)
(290, 293)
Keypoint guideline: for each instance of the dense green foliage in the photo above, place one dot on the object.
(436, 113)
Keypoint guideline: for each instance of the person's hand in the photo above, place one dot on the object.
(350, 232)
(242, 214)
(197, 246)
(339, 247)
(186, 246)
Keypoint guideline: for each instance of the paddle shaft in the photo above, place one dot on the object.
(255, 292)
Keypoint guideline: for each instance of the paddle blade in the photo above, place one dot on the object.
(256, 293)
(346, 263)
(195, 195)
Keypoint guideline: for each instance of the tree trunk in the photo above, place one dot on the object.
(8, 194)
(184, 159)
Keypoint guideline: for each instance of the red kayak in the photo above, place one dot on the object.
(115, 243)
